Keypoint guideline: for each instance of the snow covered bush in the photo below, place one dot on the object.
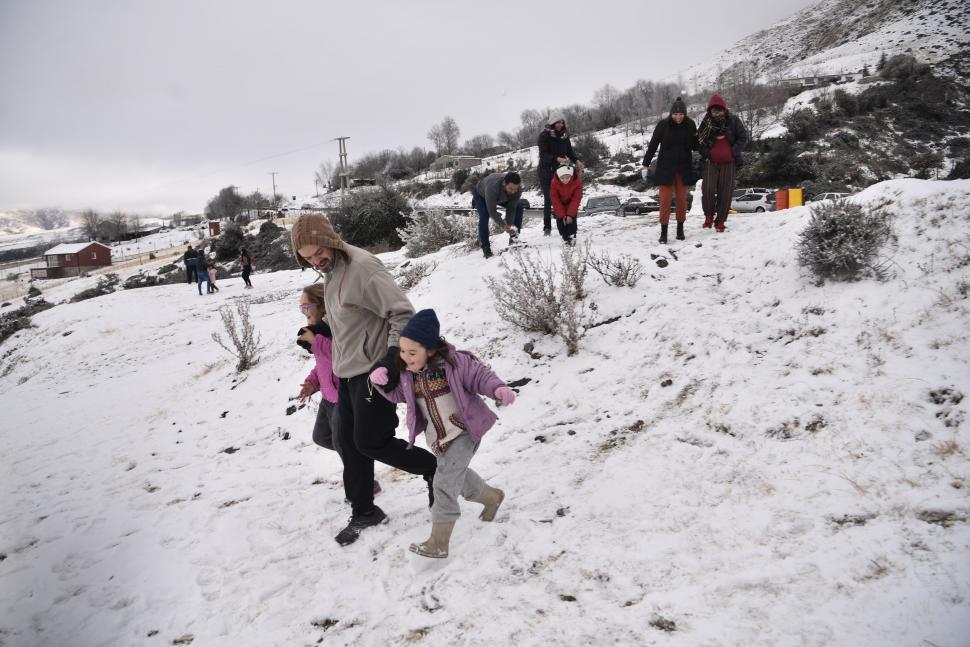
(410, 274)
(591, 150)
(245, 340)
(428, 231)
(106, 285)
(622, 271)
(843, 239)
(540, 296)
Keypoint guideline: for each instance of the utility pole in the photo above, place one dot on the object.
(274, 174)
(316, 187)
(343, 165)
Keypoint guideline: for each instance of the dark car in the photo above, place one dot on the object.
(603, 204)
(638, 206)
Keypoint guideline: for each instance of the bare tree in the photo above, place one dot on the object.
(606, 101)
(479, 145)
(450, 132)
(325, 174)
(437, 138)
(91, 221)
(50, 218)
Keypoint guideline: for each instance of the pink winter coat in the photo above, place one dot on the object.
(321, 375)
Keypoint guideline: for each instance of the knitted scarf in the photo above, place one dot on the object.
(563, 134)
(711, 128)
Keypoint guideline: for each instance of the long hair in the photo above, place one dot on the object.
(314, 294)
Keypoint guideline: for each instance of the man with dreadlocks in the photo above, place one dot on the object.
(721, 138)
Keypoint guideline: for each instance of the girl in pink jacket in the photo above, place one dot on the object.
(317, 339)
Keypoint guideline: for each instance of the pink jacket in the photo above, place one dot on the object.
(322, 348)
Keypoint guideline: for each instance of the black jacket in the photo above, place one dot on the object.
(675, 141)
(737, 136)
(550, 149)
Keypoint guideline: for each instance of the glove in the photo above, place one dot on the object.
(379, 376)
(505, 395)
(320, 329)
(305, 345)
(389, 363)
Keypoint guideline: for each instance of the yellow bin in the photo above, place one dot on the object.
(794, 198)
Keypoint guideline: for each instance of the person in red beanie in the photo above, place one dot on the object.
(721, 137)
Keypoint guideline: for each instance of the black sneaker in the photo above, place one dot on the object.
(357, 523)
(487, 251)
(546, 232)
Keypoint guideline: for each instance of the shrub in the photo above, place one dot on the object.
(231, 240)
(429, 231)
(528, 295)
(409, 274)
(802, 125)
(960, 170)
(373, 217)
(902, 67)
(842, 241)
(106, 285)
(622, 271)
(14, 320)
(245, 341)
(591, 150)
(459, 177)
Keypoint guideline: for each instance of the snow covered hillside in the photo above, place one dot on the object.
(735, 456)
(832, 37)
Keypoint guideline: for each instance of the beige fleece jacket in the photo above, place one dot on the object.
(366, 311)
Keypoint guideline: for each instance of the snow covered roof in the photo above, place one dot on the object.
(70, 248)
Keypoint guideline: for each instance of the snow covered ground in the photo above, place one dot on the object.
(741, 457)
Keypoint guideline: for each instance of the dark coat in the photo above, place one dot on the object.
(675, 141)
(552, 147)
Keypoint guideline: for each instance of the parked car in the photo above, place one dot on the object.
(829, 196)
(740, 192)
(603, 204)
(638, 206)
(754, 202)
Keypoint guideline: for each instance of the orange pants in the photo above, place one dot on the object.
(667, 194)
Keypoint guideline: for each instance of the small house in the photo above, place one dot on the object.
(72, 259)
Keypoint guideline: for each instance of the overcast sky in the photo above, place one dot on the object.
(155, 106)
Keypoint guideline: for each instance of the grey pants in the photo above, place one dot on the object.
(323, 429)
(454, 477)
(717, 190)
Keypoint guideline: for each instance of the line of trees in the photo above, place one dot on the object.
(639, 107)
(232, 206)
(113, 226)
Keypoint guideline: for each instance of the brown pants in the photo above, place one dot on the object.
(667, 194)
(717, 189)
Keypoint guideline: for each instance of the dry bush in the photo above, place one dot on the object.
(428, 231)
(843, 239)
(622, 271)
(410, 274)
(245, 340)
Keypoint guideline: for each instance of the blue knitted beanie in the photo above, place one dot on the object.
(424, 328)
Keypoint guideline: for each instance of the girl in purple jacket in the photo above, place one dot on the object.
(316, 338)
(443, 386)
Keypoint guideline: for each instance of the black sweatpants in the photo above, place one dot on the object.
(368, 423)
(568, 232)
(545, 183)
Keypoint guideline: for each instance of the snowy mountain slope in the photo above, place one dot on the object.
(752, 458)
(833, 37)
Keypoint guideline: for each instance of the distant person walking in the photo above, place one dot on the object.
(675, 137)
(202, 273)
(493, 191)
(190, 266)
(366, 311)
(555, 149)
(443, 388)
(246, 263)
(213, 273)
(721, 137)
(566, 192)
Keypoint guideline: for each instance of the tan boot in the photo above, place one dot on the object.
(437, 545)
(491, 498)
